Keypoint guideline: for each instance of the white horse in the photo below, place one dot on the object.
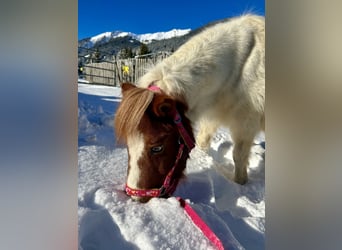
(220, 75)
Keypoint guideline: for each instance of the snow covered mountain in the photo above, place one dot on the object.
(149, 37)
(106, 36)
(144, 38)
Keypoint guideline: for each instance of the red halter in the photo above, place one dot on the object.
(168, 186)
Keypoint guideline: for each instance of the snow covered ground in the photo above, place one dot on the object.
(108, 219)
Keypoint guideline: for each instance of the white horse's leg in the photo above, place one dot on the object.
(206, 131)
(241, 153)
(243, 137)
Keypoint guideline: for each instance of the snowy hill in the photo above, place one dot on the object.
(149, 37)
(108, 219)
(105, 37)
(145, 38)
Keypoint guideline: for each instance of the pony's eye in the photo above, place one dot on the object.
(157, 149)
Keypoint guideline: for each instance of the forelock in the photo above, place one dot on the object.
(131, 110)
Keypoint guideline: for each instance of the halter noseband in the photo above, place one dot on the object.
(168, 186)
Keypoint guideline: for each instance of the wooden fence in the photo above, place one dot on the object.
(114, 72)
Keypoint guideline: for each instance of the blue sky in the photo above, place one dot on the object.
(139, 17)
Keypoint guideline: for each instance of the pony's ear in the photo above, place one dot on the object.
(163, 106)
(127, 86)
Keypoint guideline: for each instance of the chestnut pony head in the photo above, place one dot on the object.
(145, 122)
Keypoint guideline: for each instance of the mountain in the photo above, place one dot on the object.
(144, 38)
(111, 43)
(149, 37)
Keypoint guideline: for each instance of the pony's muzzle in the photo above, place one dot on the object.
(143, 199)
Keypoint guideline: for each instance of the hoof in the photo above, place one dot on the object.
(241, 181)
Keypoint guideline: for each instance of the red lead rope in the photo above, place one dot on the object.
(201, 224)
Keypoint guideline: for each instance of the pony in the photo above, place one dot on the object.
(216, 78)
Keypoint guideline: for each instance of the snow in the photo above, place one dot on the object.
(109, 219)
(99, 37)
(145, 38)
(162, 35)
(82, 81)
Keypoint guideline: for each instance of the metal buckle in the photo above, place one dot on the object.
(162, 191)
(177, 119)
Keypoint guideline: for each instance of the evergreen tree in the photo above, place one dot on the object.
(129, 52)
(144, 49)
(126, 53)
(97, 56)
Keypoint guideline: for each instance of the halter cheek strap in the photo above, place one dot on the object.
(177, 119)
